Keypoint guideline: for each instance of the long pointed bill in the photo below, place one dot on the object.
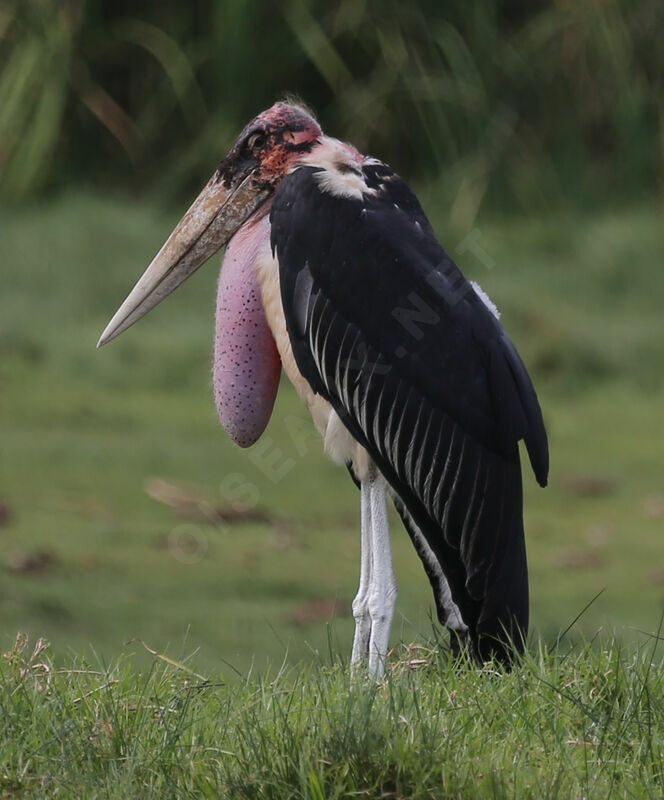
(212, 219)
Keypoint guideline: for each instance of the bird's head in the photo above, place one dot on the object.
(270, 146)
(267, 149)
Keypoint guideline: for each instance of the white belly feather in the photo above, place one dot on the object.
(338, 442)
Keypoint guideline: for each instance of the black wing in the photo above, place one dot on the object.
(386, 328)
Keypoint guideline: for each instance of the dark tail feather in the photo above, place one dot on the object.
(502, 625)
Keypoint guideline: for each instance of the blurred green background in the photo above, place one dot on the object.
(534, 135)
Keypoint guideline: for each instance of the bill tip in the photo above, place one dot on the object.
(105, 338)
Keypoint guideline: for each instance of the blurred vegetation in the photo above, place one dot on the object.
(510, 104)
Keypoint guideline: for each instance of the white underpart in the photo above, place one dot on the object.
(338, 442)
(340, 169)
(484, 297)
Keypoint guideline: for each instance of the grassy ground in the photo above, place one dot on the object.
(585, 723)
(90, 559)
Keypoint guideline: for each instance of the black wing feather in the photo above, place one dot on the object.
(386, 328)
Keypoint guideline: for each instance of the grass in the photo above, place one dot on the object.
(586, 722)
(90, 559)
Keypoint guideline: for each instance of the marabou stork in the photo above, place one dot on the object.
(333, 272)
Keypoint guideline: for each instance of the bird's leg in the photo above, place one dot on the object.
(383, 584)
(361, 601)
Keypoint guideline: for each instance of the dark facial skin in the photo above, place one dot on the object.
(268, 146)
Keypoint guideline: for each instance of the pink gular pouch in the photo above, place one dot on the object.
(247, 366)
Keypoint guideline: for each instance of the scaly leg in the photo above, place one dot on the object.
(373, 606)
(383, 584)
(361, 601)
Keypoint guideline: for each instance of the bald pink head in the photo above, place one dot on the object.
(271, 144)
